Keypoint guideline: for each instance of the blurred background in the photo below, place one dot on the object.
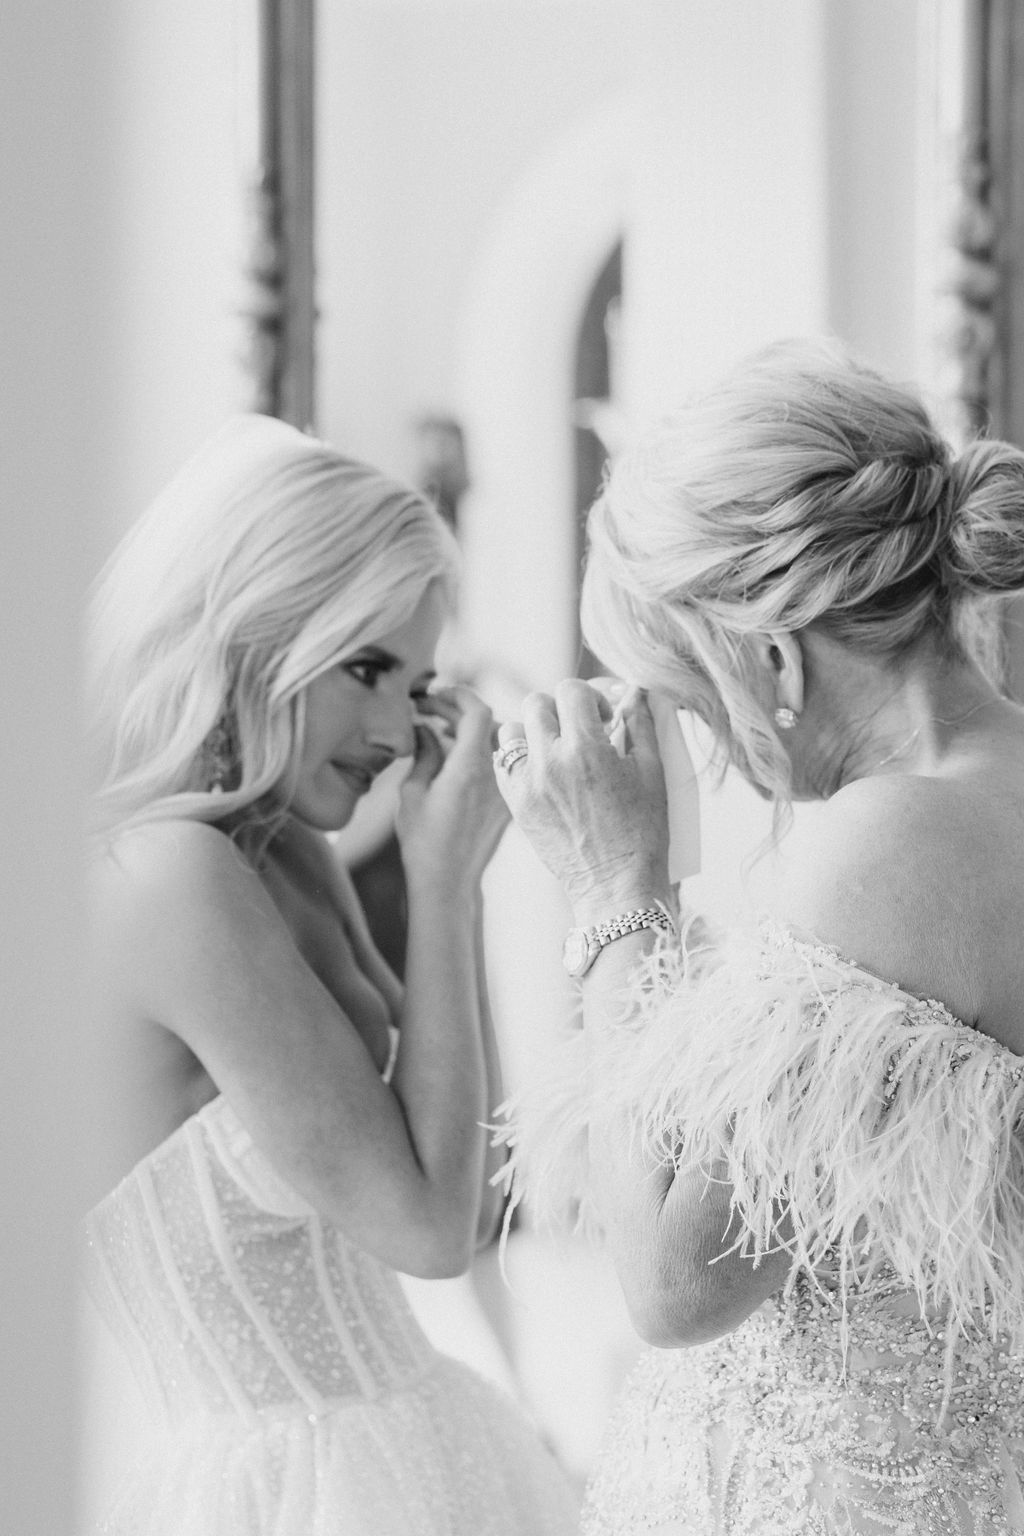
(479, 243)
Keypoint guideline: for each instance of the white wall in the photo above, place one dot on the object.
(428, 114)
(54, 431)
(119, 289)
(173, 122)
(877, 199)
(727, 246)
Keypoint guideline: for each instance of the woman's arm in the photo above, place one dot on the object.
(598, 821)
(443, 863)
(893, 896)
(669, 1231)
(492, 1202)
(380, 973)
(199, 947)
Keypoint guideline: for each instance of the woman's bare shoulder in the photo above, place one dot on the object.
(162, 885)
(878, 824)
(150, 848)
(174, 858)
(891, 871)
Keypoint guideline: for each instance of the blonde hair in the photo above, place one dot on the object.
(267, 559)
(804, 490)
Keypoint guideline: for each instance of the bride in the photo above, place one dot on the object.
(300, 1125)
(804, 1143)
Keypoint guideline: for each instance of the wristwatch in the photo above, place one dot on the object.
(583, 945)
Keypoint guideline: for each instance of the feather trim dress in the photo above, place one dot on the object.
(881, 1390)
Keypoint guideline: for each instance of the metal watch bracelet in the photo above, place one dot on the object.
(583, 945)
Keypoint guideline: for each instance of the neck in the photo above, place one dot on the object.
(911, 718)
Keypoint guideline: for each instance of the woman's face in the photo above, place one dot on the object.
(360, 715)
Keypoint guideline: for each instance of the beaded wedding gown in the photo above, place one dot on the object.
(297, 1393)
(882, 1390)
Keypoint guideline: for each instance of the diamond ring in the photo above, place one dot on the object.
(507, 756)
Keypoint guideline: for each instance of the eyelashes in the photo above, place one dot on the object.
(368, 673)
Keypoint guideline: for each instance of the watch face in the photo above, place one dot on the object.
(576, 951)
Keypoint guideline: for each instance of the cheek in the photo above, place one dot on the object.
(332, 717)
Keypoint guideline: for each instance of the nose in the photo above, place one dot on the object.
(392, 729)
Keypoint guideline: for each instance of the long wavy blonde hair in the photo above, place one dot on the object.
(803, 491)
(267, 559)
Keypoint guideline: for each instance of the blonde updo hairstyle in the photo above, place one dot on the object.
(269, 558)
(804, 491)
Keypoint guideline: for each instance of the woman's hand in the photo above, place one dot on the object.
(597, 819)
(451, 817)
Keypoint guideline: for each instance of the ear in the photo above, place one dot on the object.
(780, 655)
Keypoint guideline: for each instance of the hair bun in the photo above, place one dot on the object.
(985, 552)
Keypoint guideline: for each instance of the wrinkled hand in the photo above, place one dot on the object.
(597, 819)
(450, 816)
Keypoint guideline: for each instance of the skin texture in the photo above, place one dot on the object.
(914, 867)
(260, 980)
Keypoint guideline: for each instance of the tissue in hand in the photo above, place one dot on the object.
(680, 775)
(681, 787)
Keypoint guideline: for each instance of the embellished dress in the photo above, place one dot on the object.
(297, 1394)
(881, 1390)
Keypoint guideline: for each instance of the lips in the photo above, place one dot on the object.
(359, 778)
(361, 775)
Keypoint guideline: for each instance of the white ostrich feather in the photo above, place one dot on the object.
(884, 1129)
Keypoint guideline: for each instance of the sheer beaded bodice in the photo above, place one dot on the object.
(799, 1422)
(231, 1296)
(296, 1392)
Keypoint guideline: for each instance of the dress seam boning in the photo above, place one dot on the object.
(174, 1280)
(215, 1225)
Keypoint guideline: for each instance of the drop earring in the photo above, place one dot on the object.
(218, 757)
(785, 718)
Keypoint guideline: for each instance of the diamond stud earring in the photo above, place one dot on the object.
(785, 718)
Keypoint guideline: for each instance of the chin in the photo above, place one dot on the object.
(321, 816)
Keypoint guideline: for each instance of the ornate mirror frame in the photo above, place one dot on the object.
(989, 225)
(989, 239)
(281, 271)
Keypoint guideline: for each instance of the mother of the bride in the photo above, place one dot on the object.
(804, 1143)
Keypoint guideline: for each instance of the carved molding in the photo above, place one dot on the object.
(974, 277)
(987, 284)
(1004, 110)
(987, 281)
(280, 311)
